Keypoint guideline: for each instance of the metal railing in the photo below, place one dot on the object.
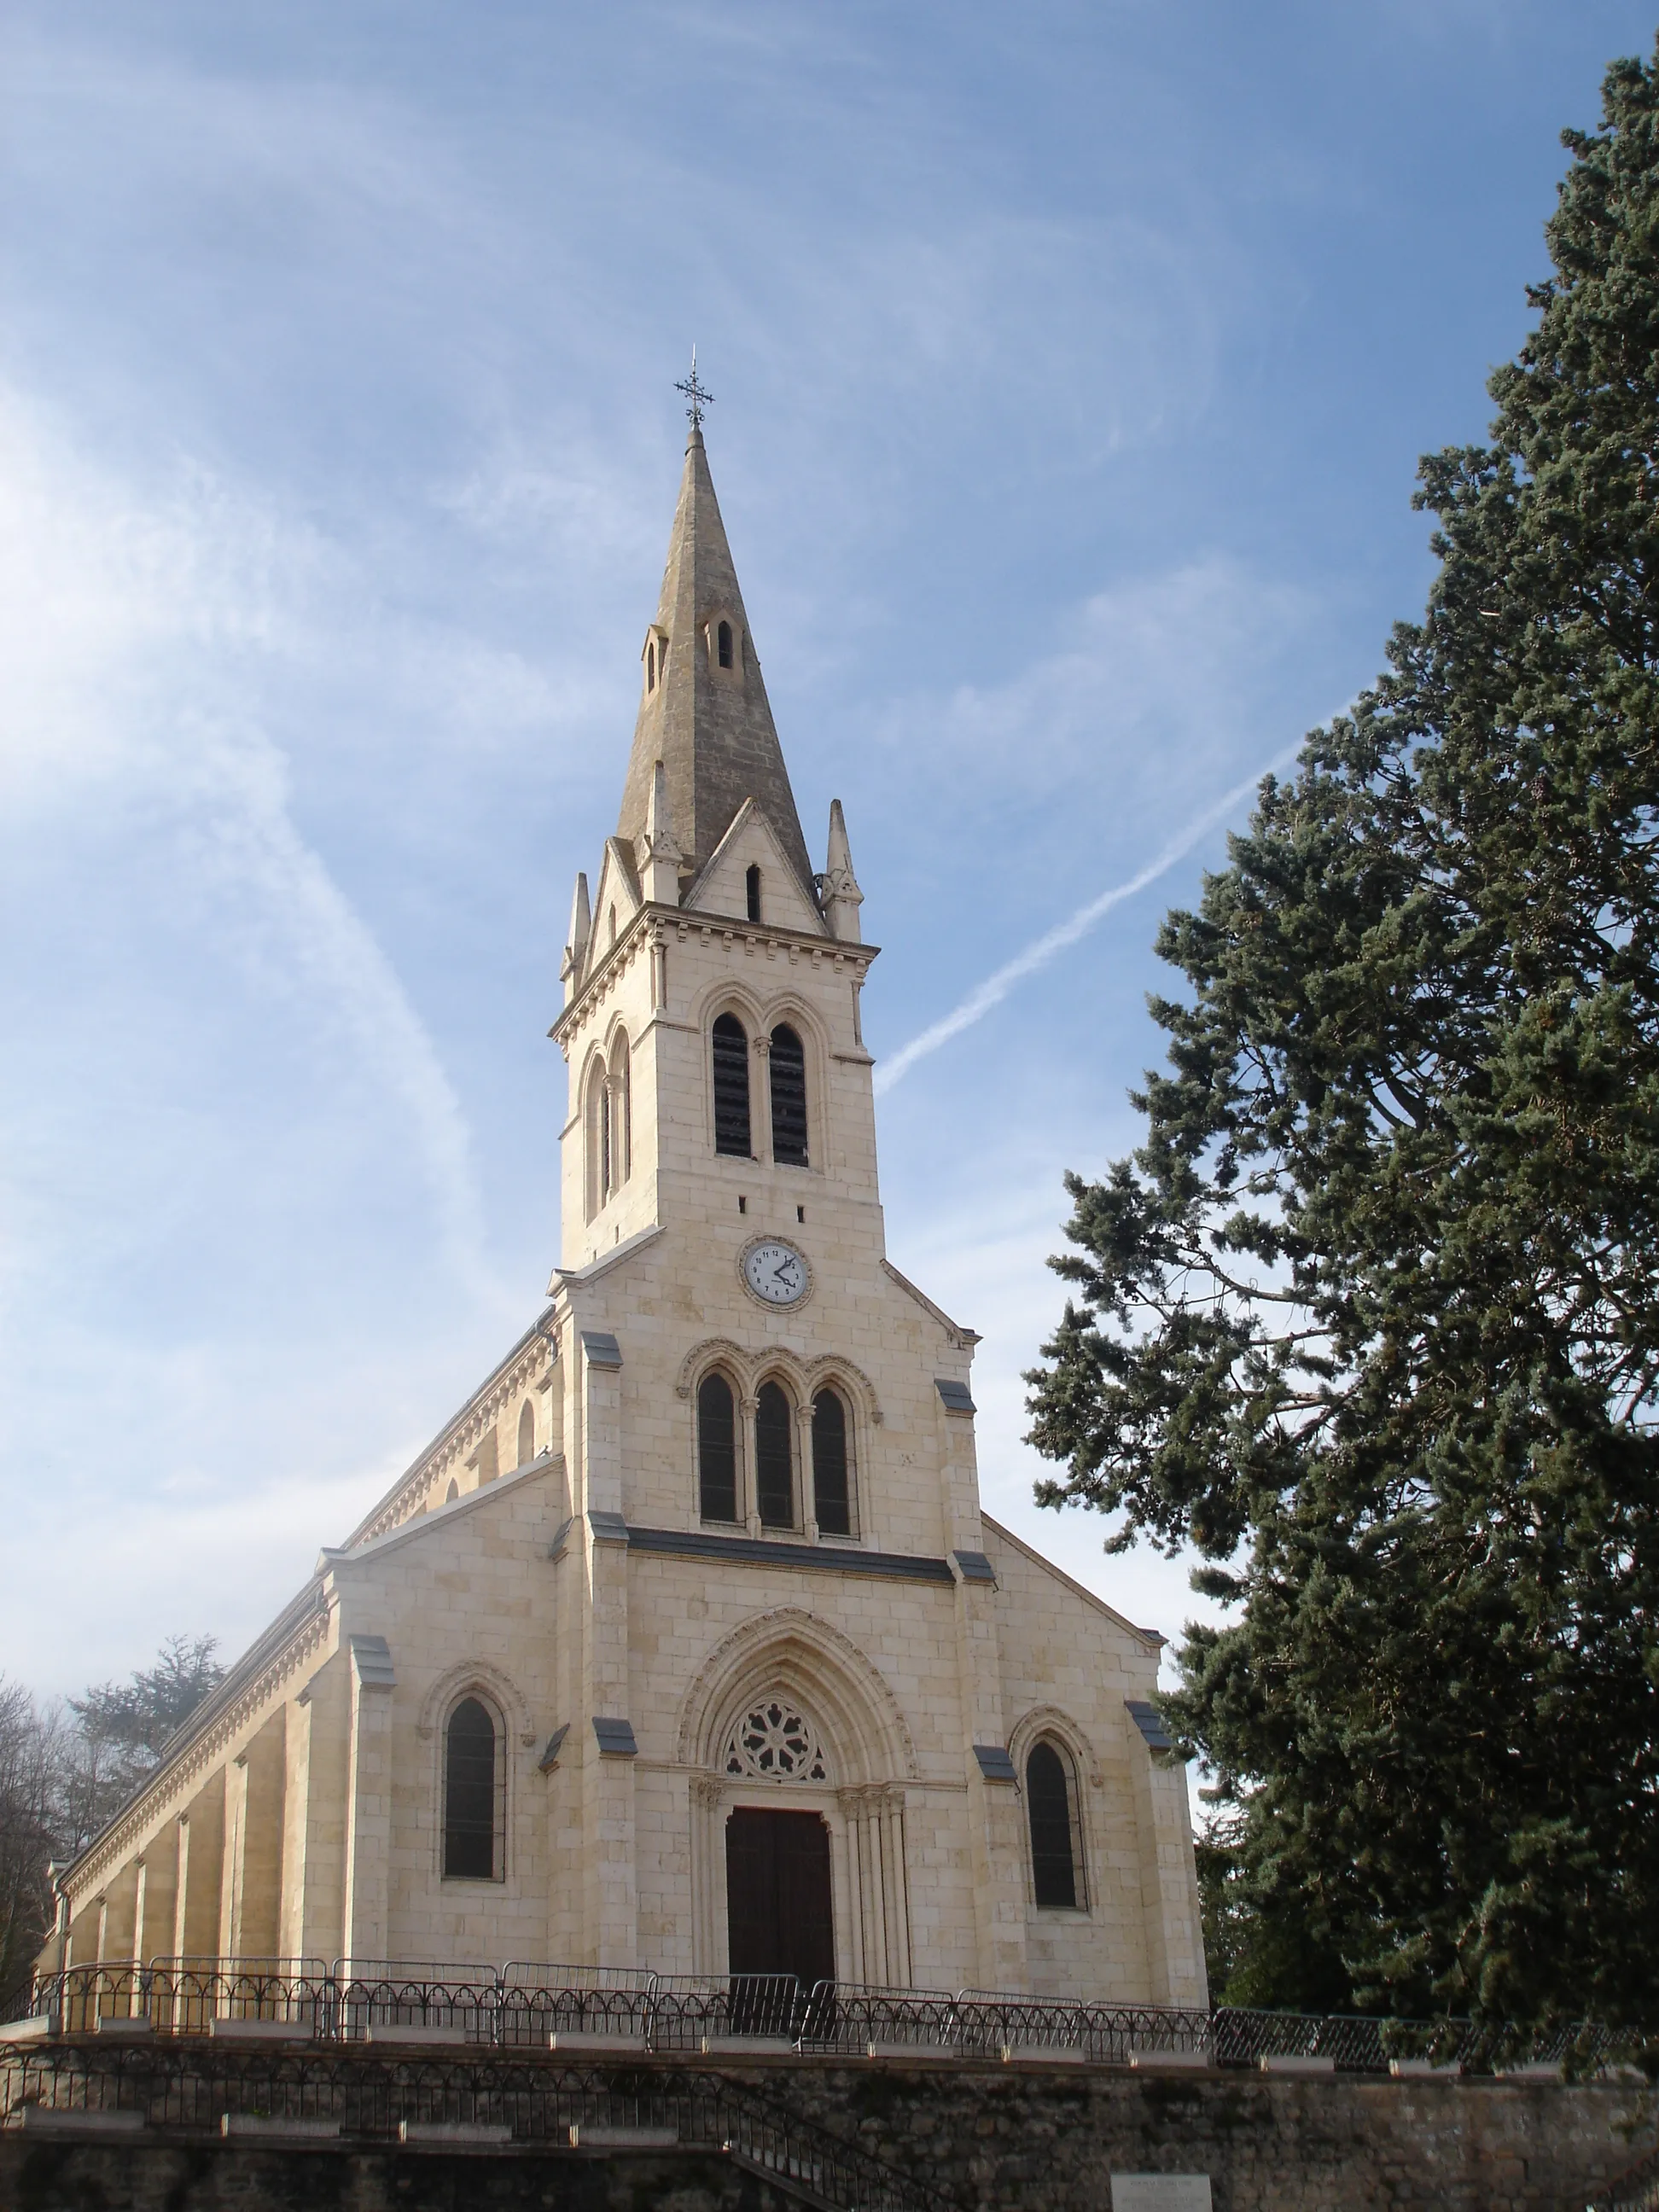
(194, 2086)
(523, 2003)
(1635, 2190)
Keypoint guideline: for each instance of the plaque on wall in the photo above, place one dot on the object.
(1161, 2192)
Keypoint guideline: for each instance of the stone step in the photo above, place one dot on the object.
(1297, 2065)
(437, 2135)
(1166, 2055)
(587, 2136)
(275, 2127)
(927, 2050)
(747, 2046)
(1424, 2070)
(53, 2120)
(420, 2034)
(223, 2029)
(137, 2023)
(581, 2044)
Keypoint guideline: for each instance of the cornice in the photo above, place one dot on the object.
(651, 924)
(291, 1640)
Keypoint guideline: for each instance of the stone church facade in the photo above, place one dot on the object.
(686, 1645)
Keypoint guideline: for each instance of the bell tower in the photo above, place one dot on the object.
(717, 1073)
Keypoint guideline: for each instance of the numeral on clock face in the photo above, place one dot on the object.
(775, 1274)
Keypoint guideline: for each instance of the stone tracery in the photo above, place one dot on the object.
(775, 1742)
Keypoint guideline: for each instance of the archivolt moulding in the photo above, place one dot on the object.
(476, 1674)
(1049, 1720)
(788, 1648)
(805, 1375)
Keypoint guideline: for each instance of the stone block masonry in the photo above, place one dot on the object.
(1014, 2137)
(1023, 2138)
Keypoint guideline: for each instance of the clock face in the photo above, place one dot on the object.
(775, 1274)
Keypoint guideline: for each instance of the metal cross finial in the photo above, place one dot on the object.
(695, 392)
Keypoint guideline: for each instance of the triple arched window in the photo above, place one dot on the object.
(776, 1476)
(1052, 1810)
(474, 1795)
(786, 1072)
(608, 1125)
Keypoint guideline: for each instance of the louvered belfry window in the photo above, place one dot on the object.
(731, 1088)
(717, 1450)
(469, 1794)
(789, 1065)
(1049, 1801)
(774, 1422)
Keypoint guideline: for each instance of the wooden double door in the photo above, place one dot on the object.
(778, 1908)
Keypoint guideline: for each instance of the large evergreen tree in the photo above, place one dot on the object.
(1372, 1316)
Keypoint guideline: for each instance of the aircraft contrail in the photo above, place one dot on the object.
(997, 986)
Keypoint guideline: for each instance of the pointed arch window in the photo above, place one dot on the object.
(596, 1144)
(731, 1047)
(788, 1062)
(717, 1450)
(620, 1117)
(832, 1487)
(723, 644)
(526, 1433)
(472, 1827)
(775, 1457)
(1050, 1803)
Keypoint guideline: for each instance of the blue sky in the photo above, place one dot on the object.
(1071, 364)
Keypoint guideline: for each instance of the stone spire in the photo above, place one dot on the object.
(838, 887)
(708, 724)
(581, 928)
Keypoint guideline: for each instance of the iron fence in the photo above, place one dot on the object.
(535, 2003)
(378, 1996)
(523, 2003)
(1635, 2190)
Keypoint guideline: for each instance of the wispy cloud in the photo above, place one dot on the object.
(998, 985)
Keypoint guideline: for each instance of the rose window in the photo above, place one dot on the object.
(776, 1742)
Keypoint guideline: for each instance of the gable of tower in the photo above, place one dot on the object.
(750, 869)
(615, 903)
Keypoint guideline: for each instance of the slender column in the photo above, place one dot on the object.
(897, 1889)
(855, 1941)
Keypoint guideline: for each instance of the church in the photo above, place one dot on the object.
(685, 1645)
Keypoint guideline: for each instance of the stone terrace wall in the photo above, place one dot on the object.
(1023, 2138)
(1016, 2138)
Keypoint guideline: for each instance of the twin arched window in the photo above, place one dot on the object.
(473, 1788)
(608, 1120)
(787, 1064)
(1051, 1808)
(775, 1457)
